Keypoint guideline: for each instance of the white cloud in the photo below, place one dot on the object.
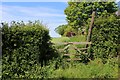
(0, 11)
(34, 0)
(53, 0)
(117, 0)
(33, 11)
(50, 16)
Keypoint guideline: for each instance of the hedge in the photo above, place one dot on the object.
(106, 36)
(24, 45)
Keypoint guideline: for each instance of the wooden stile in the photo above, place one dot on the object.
(90, 29)
(75, 59)
(66, 43)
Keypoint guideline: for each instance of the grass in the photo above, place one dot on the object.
(94, 69)
(70, 50)
(60, 39)
(79, 38)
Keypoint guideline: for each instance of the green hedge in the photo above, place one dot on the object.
(106, 36)
(24, 45)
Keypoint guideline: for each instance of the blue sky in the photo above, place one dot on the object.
(50, 13)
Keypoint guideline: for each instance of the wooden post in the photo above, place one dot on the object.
(90, 29)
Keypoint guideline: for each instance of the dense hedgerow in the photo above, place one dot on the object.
(106, 36)
(24, 45)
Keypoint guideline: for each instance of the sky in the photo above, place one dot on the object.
(117, 0)
(50, 13)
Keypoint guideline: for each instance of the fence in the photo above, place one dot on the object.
(68, 50)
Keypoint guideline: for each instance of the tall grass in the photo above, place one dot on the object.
(63, 69)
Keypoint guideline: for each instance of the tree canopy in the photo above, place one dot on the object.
(79, 12)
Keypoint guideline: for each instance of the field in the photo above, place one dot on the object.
(80, 38)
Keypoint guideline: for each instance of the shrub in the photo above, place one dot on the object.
(24, 45)
(105, 36)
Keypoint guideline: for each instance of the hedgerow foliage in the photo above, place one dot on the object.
(24, 45)
(106, 36)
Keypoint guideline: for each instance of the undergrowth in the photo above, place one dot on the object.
(62, 69)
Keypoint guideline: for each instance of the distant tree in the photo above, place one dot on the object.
(69, 31)
(61, 29)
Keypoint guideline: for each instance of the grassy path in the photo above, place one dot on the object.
(80, 38)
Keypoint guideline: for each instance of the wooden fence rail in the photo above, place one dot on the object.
(67, 48)
(77, 48)
(65, 43)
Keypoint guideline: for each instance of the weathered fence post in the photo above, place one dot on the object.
(90, 29)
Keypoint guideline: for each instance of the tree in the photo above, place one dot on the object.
(61, 29)
(79, 12)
